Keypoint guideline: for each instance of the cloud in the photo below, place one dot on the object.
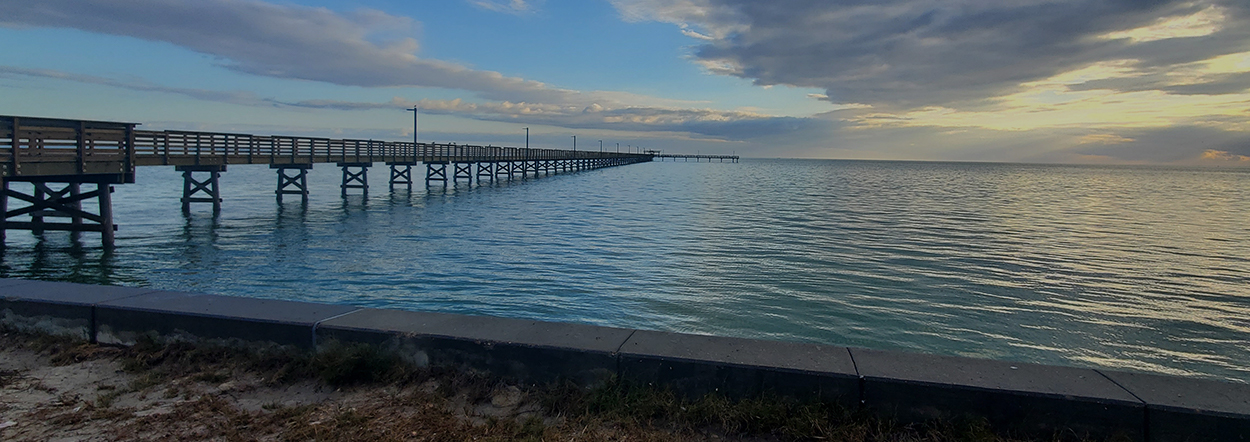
(1201, 23)
(611, 115)
(710, 123)
(233, 97)
(515, 7)
(1223, 156)
(362, 48)
(907, 54)
(1184, 144)
(1104, 138)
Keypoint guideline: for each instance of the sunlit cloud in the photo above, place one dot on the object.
(1063, 101)
(1104, 139)
(1223, 156)
(1204, 22)
(708, 123)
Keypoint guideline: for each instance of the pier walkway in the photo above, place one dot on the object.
(697, 158)
(58, 156)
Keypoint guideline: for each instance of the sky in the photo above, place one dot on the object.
(1041, 81)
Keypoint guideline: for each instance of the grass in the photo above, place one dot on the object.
(401, 408)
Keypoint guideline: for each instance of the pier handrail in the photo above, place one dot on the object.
(65, 147)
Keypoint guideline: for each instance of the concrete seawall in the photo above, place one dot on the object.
(1022, 398)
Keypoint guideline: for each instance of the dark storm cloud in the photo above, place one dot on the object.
(912, 53)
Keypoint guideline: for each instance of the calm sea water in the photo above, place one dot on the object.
(1130, 268)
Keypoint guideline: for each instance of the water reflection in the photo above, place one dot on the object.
(60, 256)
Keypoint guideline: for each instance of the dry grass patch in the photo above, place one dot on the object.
(181, 391)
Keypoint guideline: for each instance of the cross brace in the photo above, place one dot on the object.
(355, 180)
(463, 170)
(192, 186)
(66, 202)
(299, 181)
(401, 176)
(436, 172)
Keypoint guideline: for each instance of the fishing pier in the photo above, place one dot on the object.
(58, 156)
(696, 158)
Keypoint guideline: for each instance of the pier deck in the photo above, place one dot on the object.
(58, 156)
(696, 158)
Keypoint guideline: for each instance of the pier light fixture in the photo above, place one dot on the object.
(601, 145)
(575, 143)
(414, 125)
(618, 147)
(527, 138)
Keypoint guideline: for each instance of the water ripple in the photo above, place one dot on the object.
(1122, 267)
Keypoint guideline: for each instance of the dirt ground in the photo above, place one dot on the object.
(56, 389)
(82, 392)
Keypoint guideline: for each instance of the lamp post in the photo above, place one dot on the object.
(618, 147)
(575, 143)
(600, 146)
(527, 138)
(414, 129)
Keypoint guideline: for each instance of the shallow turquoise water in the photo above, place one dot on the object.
(1124, 267)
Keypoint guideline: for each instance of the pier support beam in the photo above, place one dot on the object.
(462, 170)
(299, 181)
(47, 200)
(436, 172)
(486, 170)
(401, 173)
(192, 186)
(355, 180)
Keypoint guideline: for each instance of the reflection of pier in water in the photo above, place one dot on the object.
(58, 156)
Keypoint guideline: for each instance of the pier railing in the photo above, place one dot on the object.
(54, 147)
(202, 148)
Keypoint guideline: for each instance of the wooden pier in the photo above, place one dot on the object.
(696, 158)
(58, 156)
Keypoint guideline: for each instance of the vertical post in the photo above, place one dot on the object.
(16, 144)
(36, 217)
(216, 192)
(106, 214)
(81, 143)
(75, 189)
(4, 204)
(186, 190)
(281, 177)
(130, 153)
(346, 176)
